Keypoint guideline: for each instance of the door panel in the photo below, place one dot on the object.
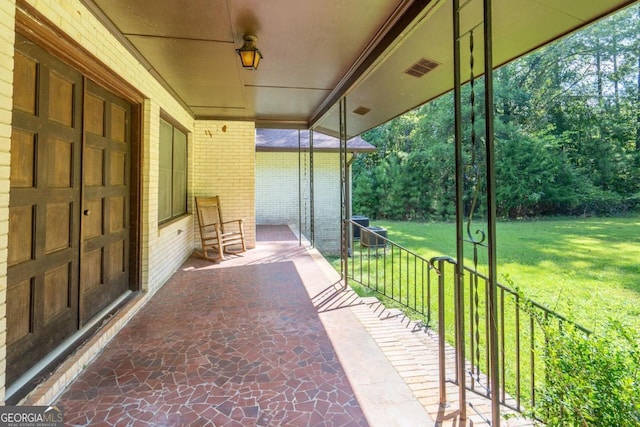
(60, 163)
(21, 297)
(61, 102)
(44, 207)
(93, 219)
(57, 287)
(105, 220)
(20, 230)
(93, 166)
(94, 114)
(25, 78)
(92, 269)
(59, 227)
(23, 154)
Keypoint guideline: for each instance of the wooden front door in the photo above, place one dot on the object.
(66, 161)
(105, 214)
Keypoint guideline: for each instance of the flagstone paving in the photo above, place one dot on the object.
(239, 346)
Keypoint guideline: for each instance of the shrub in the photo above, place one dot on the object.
(590, 380)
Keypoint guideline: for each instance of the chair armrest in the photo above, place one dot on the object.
(238, 221)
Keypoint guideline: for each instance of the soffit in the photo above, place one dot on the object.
(314, 52)
(307, 46)
(519, 26)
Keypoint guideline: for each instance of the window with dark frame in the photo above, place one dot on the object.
(172, 180)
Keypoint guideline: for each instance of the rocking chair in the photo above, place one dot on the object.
(215, 234)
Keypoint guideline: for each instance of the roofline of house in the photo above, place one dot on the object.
(315, 149)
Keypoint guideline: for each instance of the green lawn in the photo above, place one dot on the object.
(587, 269)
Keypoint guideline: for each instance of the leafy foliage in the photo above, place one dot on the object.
(590, 379)
(567, 135)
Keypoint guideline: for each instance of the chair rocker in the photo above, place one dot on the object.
(216, 235)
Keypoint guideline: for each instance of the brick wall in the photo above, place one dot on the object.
(168, 245)
(7, 13)
(224, 166)
(278, 200)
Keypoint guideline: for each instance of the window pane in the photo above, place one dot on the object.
(179, 172)
(164, 196)
(164, 179)
(179, 151)
(179, 193)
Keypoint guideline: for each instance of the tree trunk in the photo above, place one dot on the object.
(614, 41)
(599, 76)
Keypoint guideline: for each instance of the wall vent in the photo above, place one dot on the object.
(362, 110)
(422, 67)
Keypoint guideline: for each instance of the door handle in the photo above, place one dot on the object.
(87, 212)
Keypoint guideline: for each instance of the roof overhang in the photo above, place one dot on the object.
(290, 140)
(315, 53)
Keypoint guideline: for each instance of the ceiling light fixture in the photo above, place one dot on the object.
(250, 56)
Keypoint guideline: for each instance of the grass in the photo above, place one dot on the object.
(586, 269)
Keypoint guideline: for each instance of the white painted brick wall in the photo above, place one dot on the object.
(277, 194)
(171, 244)
(7, 37)
(224, 166)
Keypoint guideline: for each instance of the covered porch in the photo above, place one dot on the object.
(173, 116)
(266, 338)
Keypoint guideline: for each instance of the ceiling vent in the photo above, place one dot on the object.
(422, 67)
(362, 110)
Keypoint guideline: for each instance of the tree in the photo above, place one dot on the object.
(567, 125)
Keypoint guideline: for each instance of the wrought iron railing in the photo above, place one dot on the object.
(399, 274)
(427, 289)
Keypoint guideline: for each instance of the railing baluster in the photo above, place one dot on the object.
(518, 398)
(441, 338)
(532, 372)
(502, 347)
(428, 293)
(407, 277)
(360, 253)
(377, 271)
(399, 277)
(472, 330)
(400, 283)
(387, 280)
(486, 334)
(369, 269)
(487, 331)
(417, 284)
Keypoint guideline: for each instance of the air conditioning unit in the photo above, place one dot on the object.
(373, 237)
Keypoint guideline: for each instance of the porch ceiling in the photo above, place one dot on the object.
(317, 51)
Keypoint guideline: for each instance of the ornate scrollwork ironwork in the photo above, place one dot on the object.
(472, 170)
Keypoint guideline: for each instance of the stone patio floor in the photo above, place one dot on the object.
(265, 338)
